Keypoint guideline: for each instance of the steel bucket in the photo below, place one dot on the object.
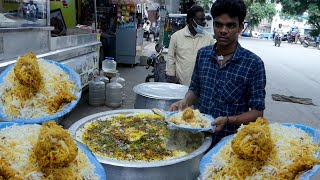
(158, 95)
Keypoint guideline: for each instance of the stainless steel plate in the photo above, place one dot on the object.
(164, 91)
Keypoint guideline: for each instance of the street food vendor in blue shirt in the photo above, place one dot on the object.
(228, 81)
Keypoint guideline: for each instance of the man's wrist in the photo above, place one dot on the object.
(173, 79)
(170, 74)
(230, 119)
(185, 101)
(227, 120)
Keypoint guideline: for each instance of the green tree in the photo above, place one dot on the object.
(206, 4)
(258, 11)
(298, 7)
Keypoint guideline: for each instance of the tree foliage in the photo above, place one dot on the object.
(298, 7)
(206, 4)
(258, 11)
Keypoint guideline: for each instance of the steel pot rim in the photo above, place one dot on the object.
(136, 164)
(156, 98)
(135, 89)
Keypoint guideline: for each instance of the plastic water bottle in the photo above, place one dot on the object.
(103, 78)
(118, 79)
(109, 65)
(114, 95)
(97, 92)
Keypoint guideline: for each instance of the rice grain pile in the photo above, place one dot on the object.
(16, 149)
(293, 153)
(54, 91)
(190, 118)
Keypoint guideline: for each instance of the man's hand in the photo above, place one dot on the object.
(220, 122)
(173, 79)
(178, 106)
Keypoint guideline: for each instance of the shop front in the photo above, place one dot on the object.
(28, 26)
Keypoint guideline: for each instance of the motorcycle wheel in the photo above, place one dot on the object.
(149, 77)
(305, 44)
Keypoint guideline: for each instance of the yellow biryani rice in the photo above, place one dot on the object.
(16, 147)
(290, 144)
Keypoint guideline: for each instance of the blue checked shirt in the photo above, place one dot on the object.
(234, 88)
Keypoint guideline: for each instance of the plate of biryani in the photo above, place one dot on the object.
(47, 151)
(190, 120)
(261, 150)
(35, 90)
(134, 137)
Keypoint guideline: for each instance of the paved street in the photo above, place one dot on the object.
(292, 70)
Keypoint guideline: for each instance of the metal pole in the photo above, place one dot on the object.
(95, 15)
(48, 12)
(163, 14)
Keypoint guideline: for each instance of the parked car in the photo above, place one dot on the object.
(245, 34)
(266, 35)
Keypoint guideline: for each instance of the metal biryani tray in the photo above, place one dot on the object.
(136, 164)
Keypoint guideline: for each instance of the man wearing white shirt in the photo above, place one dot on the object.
(147, 30)
(146, 15)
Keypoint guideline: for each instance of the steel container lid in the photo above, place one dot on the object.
(159, 90)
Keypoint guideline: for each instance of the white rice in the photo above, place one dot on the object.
(201, 121)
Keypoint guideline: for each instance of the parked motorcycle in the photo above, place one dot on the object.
(277, 39)
(157, 61)
(314, 42)
(292, 37)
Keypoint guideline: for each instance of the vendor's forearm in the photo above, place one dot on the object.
(245, 118)
(171, 66)
(191, 98)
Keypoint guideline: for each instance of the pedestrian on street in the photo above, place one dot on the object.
(279, 30)
(273, 33)
(296, 35)
(184, 46)
(146, 14)
(228, 81)
(147, 30)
